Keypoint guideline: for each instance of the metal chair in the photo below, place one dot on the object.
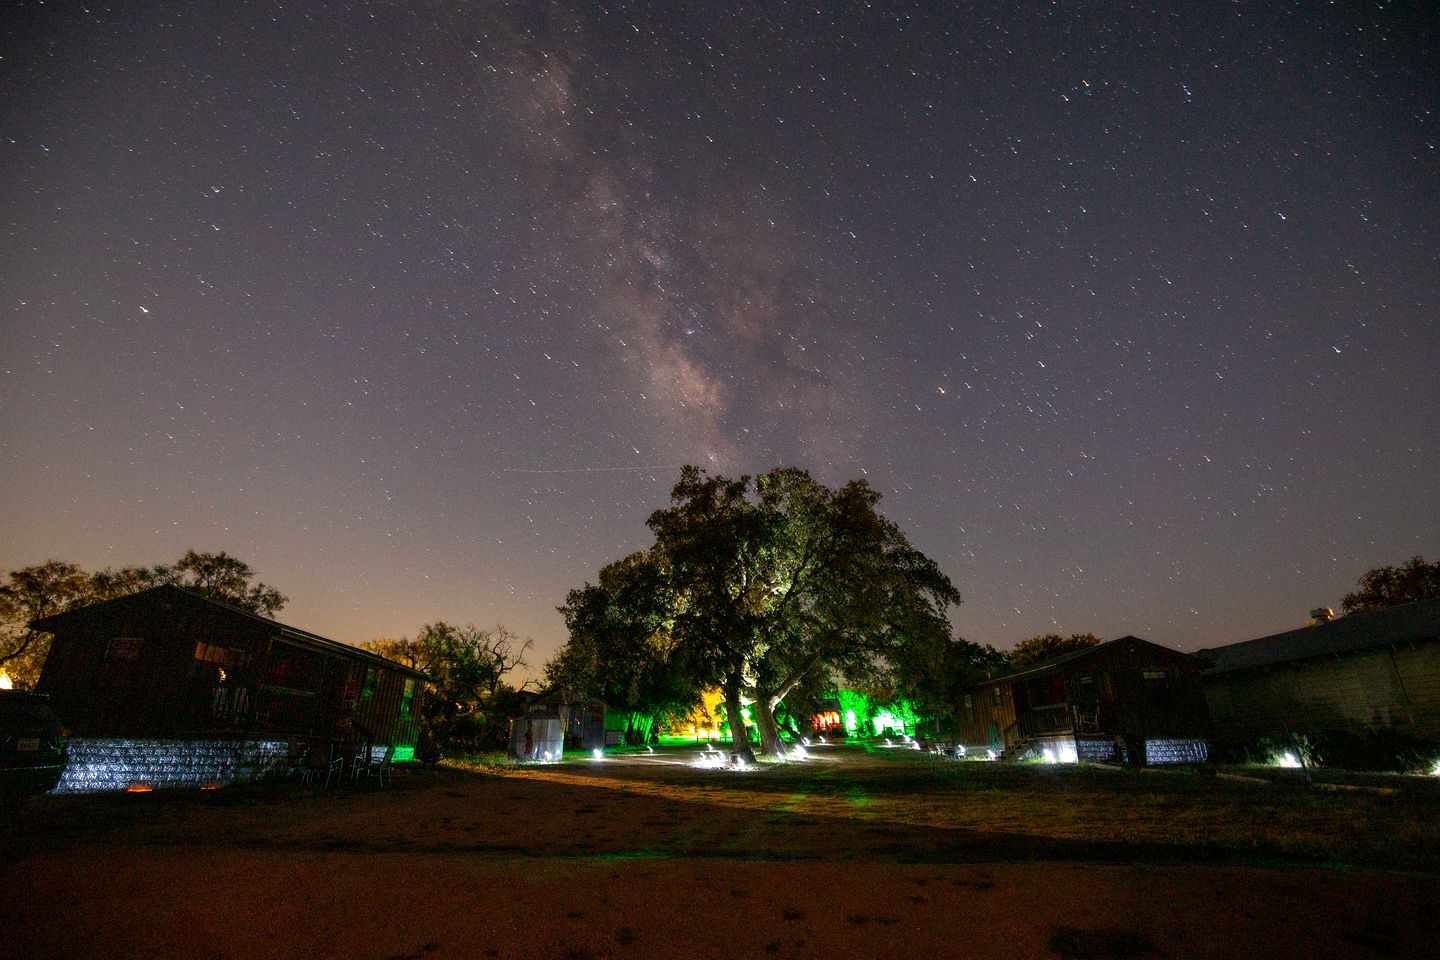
(384, 764)
(323, 760)
(361, 757)
(297, 752)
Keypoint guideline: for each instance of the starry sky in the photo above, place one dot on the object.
(1130, 312)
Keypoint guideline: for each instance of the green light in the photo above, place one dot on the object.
(404, 754)
(863, 717)
(887, 721)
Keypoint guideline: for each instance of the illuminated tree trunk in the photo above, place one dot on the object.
(739, 739)
(764, 710)
(767, 700)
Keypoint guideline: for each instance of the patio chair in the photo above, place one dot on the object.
(380, 764)
(297, 752)
(323, 762)
(361, 758)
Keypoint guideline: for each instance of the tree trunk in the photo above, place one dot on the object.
(764, 710)
(739, 739)
(765, 703)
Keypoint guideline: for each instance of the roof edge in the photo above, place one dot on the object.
(294, 633)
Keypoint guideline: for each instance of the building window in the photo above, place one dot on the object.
(209, 653)
(1154, 674)
(407, 699)
(372, 683)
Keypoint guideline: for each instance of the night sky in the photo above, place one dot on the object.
(1130, 314)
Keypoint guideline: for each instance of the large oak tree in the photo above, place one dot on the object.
(758, 585)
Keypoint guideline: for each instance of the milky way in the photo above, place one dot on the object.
(1131, 315)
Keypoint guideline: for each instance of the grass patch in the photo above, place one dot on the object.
(846, 804)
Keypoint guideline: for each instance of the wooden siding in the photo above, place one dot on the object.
(1383, 688)
(159, 690)
(989, 705)
(164, 664)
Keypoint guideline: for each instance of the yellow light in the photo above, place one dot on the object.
(5, 682)
(139, 788)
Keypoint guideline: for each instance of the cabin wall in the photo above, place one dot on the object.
(300, 691)
(134, 671)
(387, 705)
(984, 715)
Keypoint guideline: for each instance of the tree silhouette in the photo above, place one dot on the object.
(1387, 586)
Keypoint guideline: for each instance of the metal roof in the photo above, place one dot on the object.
(1406, 623)
(1041, 666)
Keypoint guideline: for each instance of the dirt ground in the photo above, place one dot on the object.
(853, 854)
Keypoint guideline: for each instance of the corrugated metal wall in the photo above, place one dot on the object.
(1372, 690)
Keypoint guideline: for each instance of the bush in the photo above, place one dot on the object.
(1372, 751)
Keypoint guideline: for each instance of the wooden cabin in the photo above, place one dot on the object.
(167, 663)
(1127, 701)
(1360, 674)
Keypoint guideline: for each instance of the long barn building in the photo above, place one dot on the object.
(1359, 674)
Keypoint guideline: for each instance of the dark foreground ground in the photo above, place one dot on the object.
(857, 853)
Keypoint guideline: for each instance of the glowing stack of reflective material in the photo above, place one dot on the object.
(97, 765)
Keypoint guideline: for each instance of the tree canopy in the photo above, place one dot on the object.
(620, 649)
(1048, 645)
(1388, 586)
(55, 586)
(934, 674)
(755, 585)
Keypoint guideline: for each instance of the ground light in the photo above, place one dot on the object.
(1064, 753)
(598, 754)
(710, 760)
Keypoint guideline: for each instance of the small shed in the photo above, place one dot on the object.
(583, 718)
(1127, 700)
(537, 736)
